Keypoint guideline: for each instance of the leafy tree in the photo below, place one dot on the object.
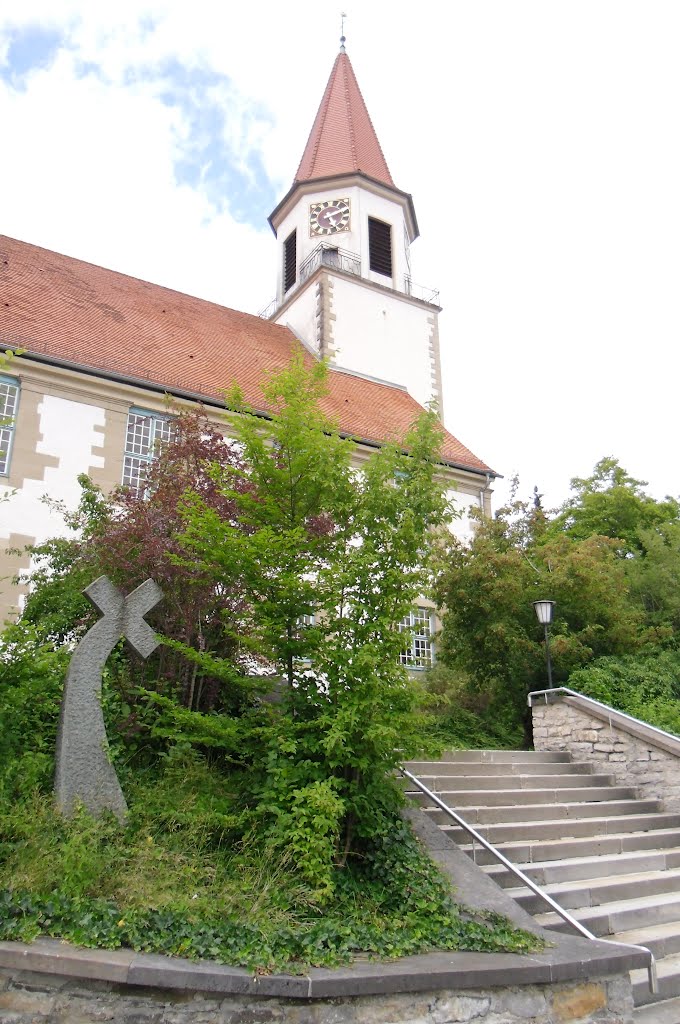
(654, 579)
(352, 549)
(487, 589)
(613, 504)
(131, 536)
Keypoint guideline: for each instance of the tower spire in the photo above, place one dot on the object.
(342, 31)
(343, 138)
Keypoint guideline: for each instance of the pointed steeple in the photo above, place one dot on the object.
(343, 138)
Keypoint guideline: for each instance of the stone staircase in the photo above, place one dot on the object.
(608, 857)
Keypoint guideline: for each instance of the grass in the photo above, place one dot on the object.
(187, 876)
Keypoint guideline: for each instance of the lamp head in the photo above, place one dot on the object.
(544, 611)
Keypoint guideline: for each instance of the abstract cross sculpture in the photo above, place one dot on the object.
(84, 774)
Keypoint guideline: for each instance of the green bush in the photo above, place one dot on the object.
(31, 679)
(168, 885)
(465, 718)
(645, 686)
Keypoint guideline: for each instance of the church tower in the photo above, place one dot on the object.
(344, 232)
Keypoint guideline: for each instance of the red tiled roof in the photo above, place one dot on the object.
(343, 139)
(55, 306)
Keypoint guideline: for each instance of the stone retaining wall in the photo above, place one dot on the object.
(629, 750)
(27, 998)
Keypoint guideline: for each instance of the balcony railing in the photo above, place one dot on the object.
(269, 310)
(330, 256)
(326, 255)
(430, 295)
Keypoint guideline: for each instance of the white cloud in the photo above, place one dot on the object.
(539, 141)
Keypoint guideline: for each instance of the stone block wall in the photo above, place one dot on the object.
(29, 998)
(630, 751)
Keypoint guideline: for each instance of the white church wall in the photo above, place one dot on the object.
(300, 316)
(383, 336)
(463, 527)
(69, 431)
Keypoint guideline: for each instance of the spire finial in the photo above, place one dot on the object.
(342, 31)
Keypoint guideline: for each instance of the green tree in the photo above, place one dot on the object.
(611, 503)
(654, 579)
(487, 589)
(352, 549)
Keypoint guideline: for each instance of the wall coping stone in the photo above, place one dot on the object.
(626, 723)
(571, 958)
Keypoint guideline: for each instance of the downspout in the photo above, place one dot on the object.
(488, 477)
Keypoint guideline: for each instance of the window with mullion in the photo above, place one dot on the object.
(146, 433)
(9, 401)
(420, 651)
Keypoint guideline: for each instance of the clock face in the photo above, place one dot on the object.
(330, 217)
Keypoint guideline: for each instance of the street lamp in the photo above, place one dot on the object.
(544, 614)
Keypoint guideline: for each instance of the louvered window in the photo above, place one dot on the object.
(9, 400)
(380, 246)
(290, 261)
(145, 435)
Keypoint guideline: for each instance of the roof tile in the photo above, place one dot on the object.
(343, 138)
(63, 308)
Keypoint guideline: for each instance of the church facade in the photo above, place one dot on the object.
(100, 352)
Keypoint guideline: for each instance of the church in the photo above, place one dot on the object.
(101, 352)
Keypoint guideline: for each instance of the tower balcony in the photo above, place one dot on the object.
(329, 256)
(326, 255)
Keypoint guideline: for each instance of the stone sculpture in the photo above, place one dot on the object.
(84, 773)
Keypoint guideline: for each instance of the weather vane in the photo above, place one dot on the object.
(343, 15)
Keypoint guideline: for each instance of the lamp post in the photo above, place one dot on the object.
(544, 614)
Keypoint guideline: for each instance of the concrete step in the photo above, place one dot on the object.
(570, 868)
(547, 811)
(665, 1012)
(468, 770)
(563, 828)
(609, 857)
(496, 757)
(596, 892)
(618, 916)
(526, 851)
(460, 798)
(662, 939)
(668, 971)
(441, 783)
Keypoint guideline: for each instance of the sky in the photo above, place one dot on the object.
(539, 139)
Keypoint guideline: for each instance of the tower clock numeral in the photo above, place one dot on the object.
(329, 217)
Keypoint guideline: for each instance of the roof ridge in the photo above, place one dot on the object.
(325, 103)
(350, 119)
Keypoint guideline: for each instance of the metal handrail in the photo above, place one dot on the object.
(605, 707)
(565, 915)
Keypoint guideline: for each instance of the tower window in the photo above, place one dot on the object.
(290, 261)
(380, 246)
